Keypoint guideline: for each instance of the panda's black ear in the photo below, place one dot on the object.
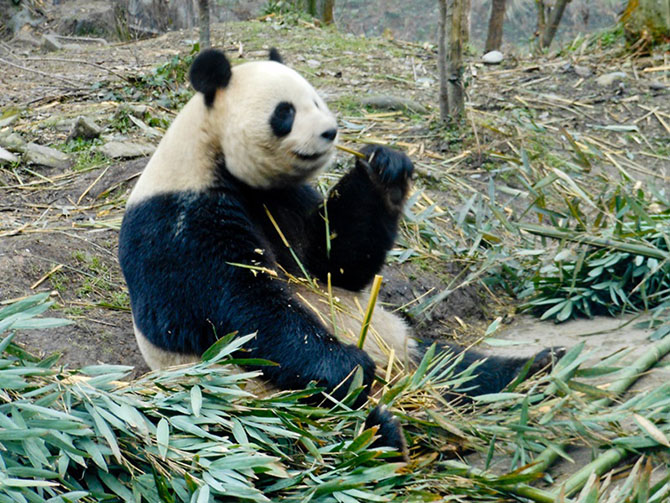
(210, 71)
(275, 56)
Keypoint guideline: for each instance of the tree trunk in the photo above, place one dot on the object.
(442, 58)
(496, 21)
(328, 12)
(450, 58)
(455, 61)
(647, 18)
(554, 20)
(541, 22)
(466, 12)
(203, 11)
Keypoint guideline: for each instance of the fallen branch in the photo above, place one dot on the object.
(43, 74)
(577, 237)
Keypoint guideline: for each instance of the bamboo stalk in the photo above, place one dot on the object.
(523, 490)
(603, 463)
(374, 291)
(628, 376)
(577, 237)
(351, 151)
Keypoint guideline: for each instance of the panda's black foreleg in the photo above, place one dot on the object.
(495, 373)
(303, 350)
(362, 212)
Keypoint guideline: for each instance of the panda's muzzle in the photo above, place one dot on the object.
(309, 157)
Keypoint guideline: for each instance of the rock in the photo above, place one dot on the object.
(24, 17)
(426, 82)
(46, 156)
(8, 121)
(393, 103)
(50, 42)
(608, 79)
(26, 38)
(13, 142)
(493, 58)
(6, 156)
(126, 149)
(84, 128)
(656, 85)
(313, 63)
(582, 71)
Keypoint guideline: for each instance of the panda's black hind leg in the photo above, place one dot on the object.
(495, 373)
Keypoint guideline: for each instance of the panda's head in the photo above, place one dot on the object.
(269, 123)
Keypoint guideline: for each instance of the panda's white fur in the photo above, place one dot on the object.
(237, 126)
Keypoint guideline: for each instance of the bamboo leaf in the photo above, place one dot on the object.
(163, 437)
(651, 429)
(196, 400)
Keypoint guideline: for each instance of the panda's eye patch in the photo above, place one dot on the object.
(282, 118)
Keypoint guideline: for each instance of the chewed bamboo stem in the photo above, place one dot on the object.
(351, 151)
(376, 285)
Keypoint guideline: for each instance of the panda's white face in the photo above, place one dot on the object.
(275, 129)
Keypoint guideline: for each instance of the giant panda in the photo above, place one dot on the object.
(222, 221)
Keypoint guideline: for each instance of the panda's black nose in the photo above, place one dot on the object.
(330, 134)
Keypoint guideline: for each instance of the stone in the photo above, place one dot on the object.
(50, 43)
(493, 58)
(582, 71)
(313, 63)
(8, 121)
(608, 79)
(26, 38)
(46, 156)
(656, 85)
(13, 142)
(6, 156)
(84, 128)
(389, 102)
(125, 149)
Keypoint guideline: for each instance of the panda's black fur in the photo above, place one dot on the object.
(201, 262)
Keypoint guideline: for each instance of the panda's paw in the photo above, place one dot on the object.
(390, 169)
(546, 359)
(389, 431)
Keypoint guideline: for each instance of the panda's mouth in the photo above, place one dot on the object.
(308, 157)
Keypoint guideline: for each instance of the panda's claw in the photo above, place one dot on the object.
(391, 170)
(390, 166)
(389, 431)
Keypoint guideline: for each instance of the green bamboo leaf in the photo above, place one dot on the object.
(163, 437)
(5, 342)
(363, 440)
(116, 486)
(23, 305)
(40, 323)
(95, 452)
(106, 432)
(7, 482)
(423, 366)
(651, 429)
(239, 433)
(497, 397)
(196, 400)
